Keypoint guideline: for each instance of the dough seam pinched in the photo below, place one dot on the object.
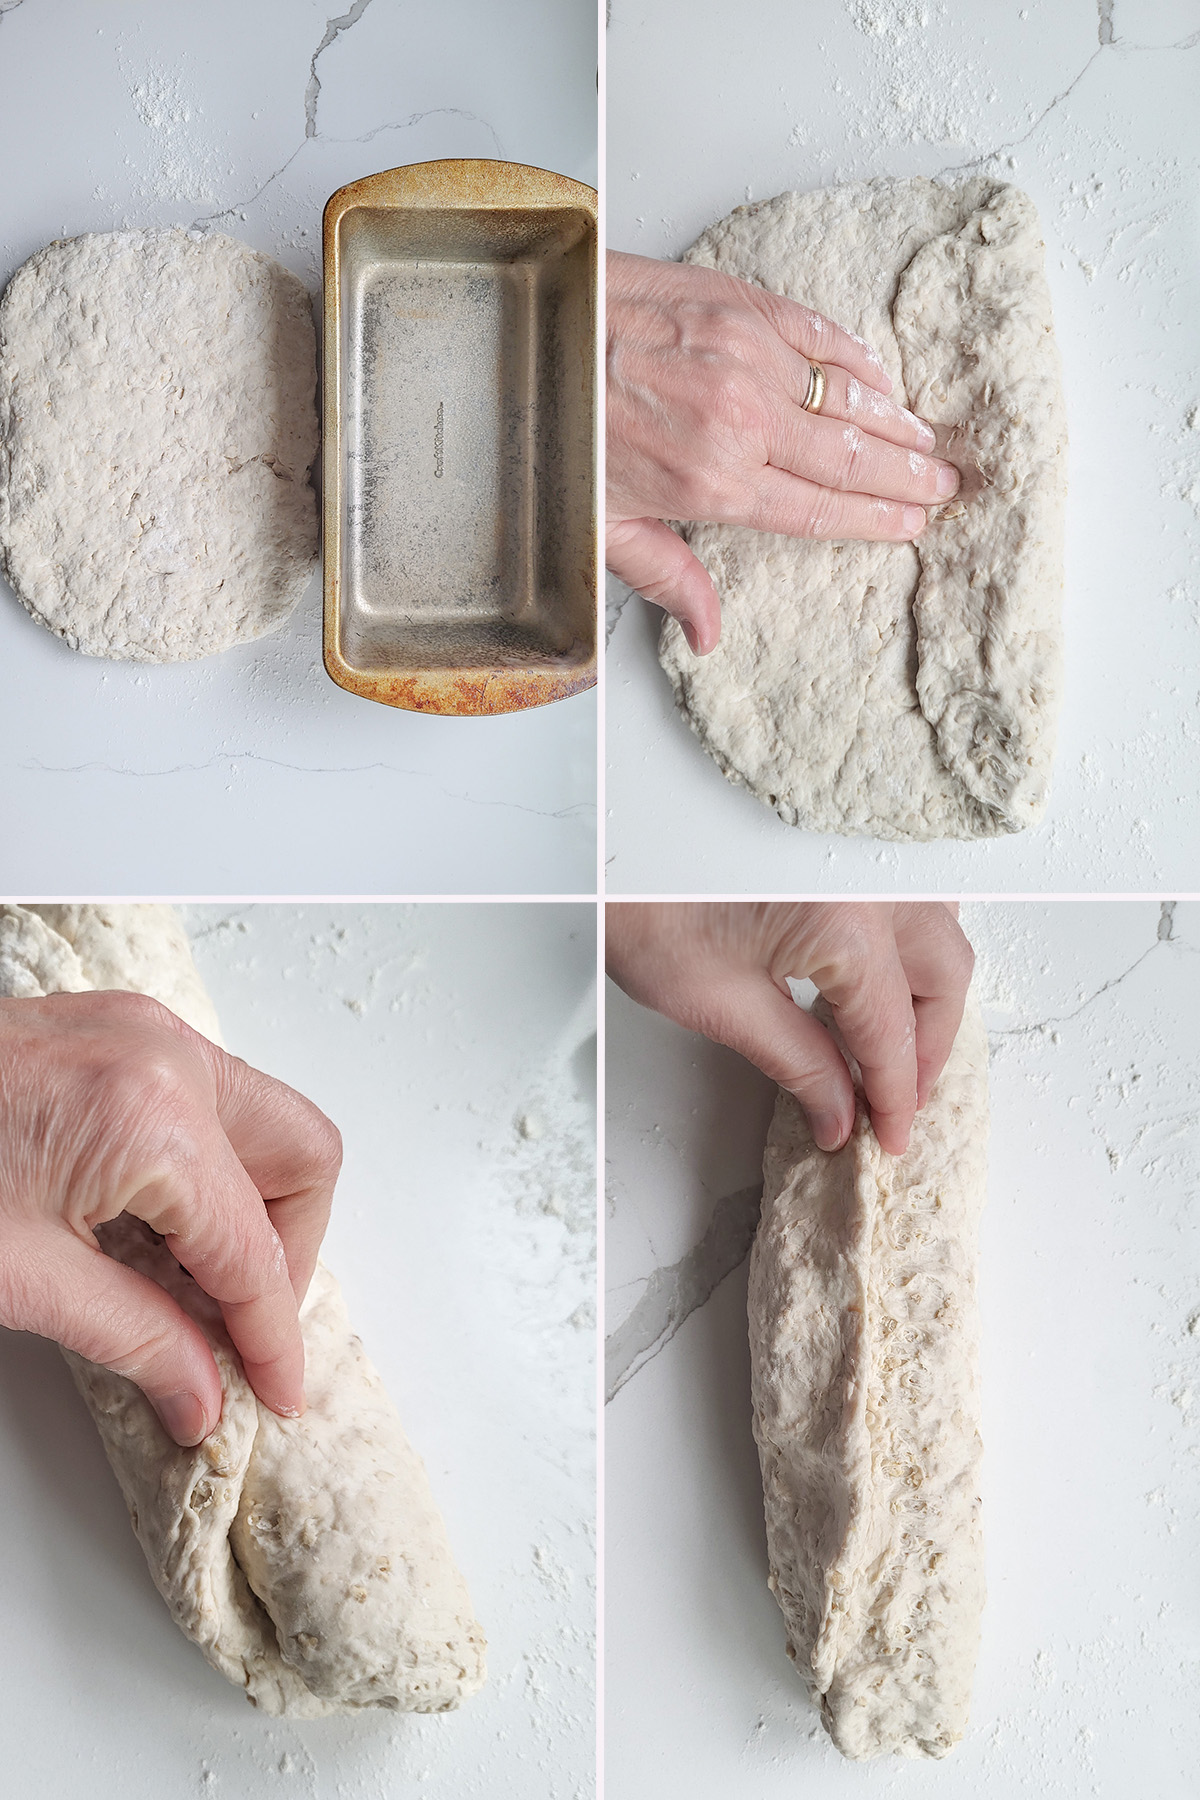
(864, 1379)
(305, 1558)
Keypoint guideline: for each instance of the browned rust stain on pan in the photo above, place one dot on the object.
(454, 692)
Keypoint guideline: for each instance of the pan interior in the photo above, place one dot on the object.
(466, 461)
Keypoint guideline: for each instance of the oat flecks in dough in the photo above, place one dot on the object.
(389, 1618)
(306, 1557)
(901, 691)
(864, 1375)
(157, 432)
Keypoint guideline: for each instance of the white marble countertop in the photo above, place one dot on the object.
(251, 772)
(454, 1046)
(1091, 1366)
(1091, 108)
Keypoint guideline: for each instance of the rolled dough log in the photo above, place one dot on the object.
(305, 1557)
(864, 1379)
(895, 690)
(157, 431)
(139, 950)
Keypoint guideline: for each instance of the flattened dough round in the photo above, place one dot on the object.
(902, 691)
(157, 431)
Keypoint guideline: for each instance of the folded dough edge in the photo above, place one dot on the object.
(305, 1558)
(864, 1380)
(905, 692)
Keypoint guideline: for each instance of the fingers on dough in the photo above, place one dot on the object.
(305, 1557)
(864, 1379)
(891, 690)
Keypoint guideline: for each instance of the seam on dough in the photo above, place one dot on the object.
(976, 688)
(922, 571)
(257, 1603)
(855, 1432)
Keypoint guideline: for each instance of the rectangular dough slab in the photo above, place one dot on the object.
(305, 1557)
(864, 1379)
(901, 691)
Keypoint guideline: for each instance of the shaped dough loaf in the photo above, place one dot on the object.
(903, 691)
(863, 1343)
(305, 1557)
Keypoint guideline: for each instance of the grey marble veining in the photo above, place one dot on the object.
(670, 1293)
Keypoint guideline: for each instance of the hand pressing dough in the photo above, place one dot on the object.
(864, 1379)
(305, 1557)
(896, 690)
(157, 430)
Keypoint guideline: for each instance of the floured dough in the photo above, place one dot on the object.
(904, 691)
(136, 949)
(864, 1377)
(35, 960)
(157, 431)
(305, 1557)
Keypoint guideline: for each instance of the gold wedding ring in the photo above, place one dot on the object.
(815, 397)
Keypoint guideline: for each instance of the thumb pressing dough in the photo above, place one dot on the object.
(903, 691)
(158, 426)
(305, 1557)
(864, 1380)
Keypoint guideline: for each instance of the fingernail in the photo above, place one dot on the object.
(926, 436)
(827, 1131)
(914, 520)
(689, 632)
(183, 1418)
(947, 482)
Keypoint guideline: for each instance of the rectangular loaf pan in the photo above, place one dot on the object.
(460, 426)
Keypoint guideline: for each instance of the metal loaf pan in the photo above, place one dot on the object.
(460, 425)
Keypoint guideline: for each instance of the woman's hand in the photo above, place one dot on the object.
(110, 1104)
(895, 973)
(707, 377)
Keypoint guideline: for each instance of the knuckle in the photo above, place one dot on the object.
(698, 488)
(248, 1263)
(816, 327)
(325, 1150)
(727, 330)
(144, 1007)
(827, 516)
(140, 1359)
(803, 1071)
(860, 935)
(850, 457)
(131, 1011)
(144, 1086)
(947, 941)
(660, 589)
(962, 955)
(736, 401)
